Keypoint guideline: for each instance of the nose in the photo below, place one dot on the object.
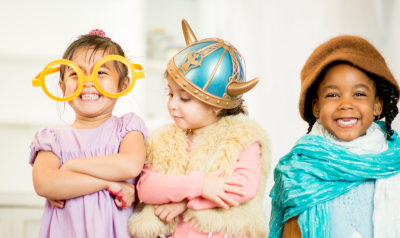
(87, 71)
(172, 103)
(88, 84)
(346, 104)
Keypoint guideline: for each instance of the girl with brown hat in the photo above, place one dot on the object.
(342, 179)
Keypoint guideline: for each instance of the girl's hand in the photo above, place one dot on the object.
(168, 212)
(215, 188)
(124, 193)
(57, 203)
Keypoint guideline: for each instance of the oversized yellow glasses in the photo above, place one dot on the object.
(106, 74)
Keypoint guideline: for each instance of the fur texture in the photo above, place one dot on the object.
(219, 146)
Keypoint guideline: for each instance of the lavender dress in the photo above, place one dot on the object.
(94, 215)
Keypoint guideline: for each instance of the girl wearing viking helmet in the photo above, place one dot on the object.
(205, 174)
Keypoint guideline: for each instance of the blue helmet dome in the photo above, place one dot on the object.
(210, 70)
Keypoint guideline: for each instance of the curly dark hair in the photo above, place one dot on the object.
(384, 89)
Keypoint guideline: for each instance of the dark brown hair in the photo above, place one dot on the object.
(240, 109)
(96, 43)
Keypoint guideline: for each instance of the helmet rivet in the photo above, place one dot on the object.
(195, 91)
(227, 103)
(176, 76)
(201, 95)
(185, 84)
(207, 97)
(218, 101)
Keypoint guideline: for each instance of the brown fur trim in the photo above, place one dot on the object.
(353, 49)
(220, 145)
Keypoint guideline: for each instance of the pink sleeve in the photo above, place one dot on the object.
(154, 188)
(247, 170)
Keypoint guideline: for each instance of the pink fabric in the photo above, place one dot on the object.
(154, 188)
(98, 32)
(94, 215)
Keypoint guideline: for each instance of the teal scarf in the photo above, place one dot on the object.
(314, 172)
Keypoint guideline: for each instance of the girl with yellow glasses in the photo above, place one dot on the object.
(86, 170)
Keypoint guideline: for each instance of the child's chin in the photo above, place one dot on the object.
(347, 136)
(88, 111)
(181, 125)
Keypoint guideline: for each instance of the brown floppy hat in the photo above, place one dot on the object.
(352, 49)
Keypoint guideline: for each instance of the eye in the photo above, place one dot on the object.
(101, 72)
(333, 95)
(359, 94)
(185, 99)
(170, 95)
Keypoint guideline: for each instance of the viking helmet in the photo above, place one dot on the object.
(211, 70)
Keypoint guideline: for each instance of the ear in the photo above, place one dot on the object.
(315, 107)
(378, 106)
(60, 83)
(125, 85)
(216, 110)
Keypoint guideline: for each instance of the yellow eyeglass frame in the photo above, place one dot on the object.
(39, 80)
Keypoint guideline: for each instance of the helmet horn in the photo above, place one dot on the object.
(235, 89)
(190, 38)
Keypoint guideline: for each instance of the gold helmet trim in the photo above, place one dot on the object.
(197, 92)
(234, 88)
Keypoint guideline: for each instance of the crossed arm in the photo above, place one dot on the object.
(200, 191)
(84, 176)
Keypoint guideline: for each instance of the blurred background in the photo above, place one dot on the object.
(275, 38)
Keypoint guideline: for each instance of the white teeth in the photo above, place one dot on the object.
(90, 96)
(347, 122)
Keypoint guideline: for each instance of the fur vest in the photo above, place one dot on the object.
(220, 145)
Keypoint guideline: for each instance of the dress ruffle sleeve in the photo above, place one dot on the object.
(131, 122)
(45, 139)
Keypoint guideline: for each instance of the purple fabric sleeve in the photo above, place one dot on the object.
(45, 139)
(131, 122)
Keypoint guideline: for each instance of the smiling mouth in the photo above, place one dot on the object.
(346, 122)
(89, 96)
